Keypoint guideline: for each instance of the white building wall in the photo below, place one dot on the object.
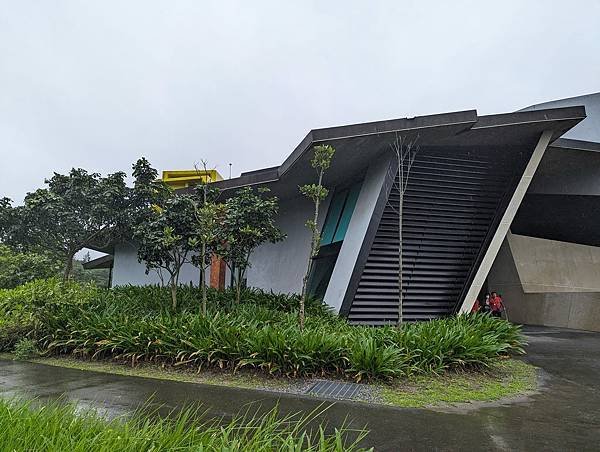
(127, 269)
(281, 266)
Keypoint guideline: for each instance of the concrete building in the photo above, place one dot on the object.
(503, 202)
(548, 268)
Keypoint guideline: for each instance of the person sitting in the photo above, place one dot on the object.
(476, 306)
(496, 305)
(485, 306)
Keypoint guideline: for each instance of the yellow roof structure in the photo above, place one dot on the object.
(177, 179)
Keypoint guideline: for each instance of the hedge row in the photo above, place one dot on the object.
(261, 333)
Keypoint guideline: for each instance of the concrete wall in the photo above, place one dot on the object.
(567, 172)
(281, 266)
(544, 282)
(357, 230)
(127, 270)
(552, 266)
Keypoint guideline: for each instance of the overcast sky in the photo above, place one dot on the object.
(99, 84)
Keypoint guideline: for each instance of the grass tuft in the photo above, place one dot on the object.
(57, 426)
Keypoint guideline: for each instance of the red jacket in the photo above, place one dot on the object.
(496, 303)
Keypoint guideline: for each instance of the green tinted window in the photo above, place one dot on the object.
(333, 216)
(342, 226)
(339, 215)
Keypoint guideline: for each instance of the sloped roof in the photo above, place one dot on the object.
(358, 144)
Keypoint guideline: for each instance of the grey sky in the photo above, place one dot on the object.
(98, 84)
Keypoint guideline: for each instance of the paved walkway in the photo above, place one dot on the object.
(564, 415)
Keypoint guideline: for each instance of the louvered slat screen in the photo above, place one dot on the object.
(449, 207)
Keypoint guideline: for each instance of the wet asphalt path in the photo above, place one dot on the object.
(564, 415)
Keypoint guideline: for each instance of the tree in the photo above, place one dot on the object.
(17, 268)
(248, 221)
(163, 238)
(405, 151)
(323, 154)
(99, 276)
(207, 214)
(78, 210)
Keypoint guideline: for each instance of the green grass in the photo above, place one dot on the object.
(248, 380)
(506, 379)
(59, 427)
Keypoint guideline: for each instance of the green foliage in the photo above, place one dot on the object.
(164, 238)
(207, 219)
(373, 360)
(98, 276)
(314, 192)
(17, 268)
(25, 348)
(63, 427)
(74, 211)
(131, 324)
(163, 225)
(248, 222)
(322, 156)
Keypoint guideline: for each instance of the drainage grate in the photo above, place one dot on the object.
(334, 389)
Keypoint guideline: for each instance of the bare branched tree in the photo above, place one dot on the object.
(405, 149)
(206, 214)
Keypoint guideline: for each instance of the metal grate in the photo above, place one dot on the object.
(334, 389)
(449, 209)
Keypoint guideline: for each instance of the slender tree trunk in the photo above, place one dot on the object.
(174, 283)
(68, 267)
(313, 251)
(400, 299)
(203, 269)
(173, 296)
(301, 314)
(238, 286)
(203, 278)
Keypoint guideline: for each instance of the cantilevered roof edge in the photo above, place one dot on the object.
(575, 145)
(273, 174)
(468, 118)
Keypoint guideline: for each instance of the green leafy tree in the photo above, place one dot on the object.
(75, 211)
(163, 238)
(12, 232)
(18, 268)
(323, 154)
(98, 276)
(248, 222)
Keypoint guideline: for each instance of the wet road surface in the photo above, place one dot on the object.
(564, 415)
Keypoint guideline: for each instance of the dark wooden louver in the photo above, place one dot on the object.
(452, 205)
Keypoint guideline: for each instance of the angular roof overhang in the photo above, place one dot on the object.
(99, 262)
(575, 145)
(358, 144)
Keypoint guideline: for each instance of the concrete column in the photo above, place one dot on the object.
(217, 273)
(507, 218)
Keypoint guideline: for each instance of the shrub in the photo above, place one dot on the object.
(131, 324)
(19, 268)
(371, 359)
(25, 349)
